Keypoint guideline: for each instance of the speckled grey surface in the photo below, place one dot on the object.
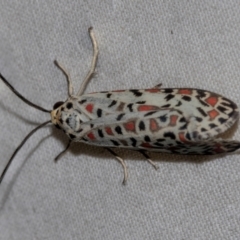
(176, 43)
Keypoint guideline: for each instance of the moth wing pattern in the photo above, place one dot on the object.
(181, 121)
(212, 113)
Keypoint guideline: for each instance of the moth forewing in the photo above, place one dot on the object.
(184, 121)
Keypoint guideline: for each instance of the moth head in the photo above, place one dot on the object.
(64, 117)
(56, 113)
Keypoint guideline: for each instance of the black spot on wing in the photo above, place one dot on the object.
(182, 119)
(183, 127)
(134, 142)
(112, 103)
(82, 101)
(169, 135)
(198, 119)
(212, 125)
(147, 138)
(163, 118)
(179, 104)
(109, 95)
(118, 130)
(119, 117)
(233, 114)
(149, 113)
(166, 106)
(167, 90)
(115, 143)
(221, 109)
(158, 144)
(201, 93)
(188, 136)
(80, 130)
(202, 111)
(186, 98)
(136, 92)
(161, 140)
(141, 102)
(141, 126)
(129, 106)
(169, 97)
(222, 120)
(100, 133)
(99, 112)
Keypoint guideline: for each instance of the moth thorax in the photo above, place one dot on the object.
(70, 120)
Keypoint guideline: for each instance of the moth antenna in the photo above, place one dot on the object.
(19, 147)
(21, 97)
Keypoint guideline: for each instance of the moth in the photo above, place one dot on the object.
(170, 120)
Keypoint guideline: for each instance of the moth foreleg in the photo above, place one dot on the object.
(94, 62)
(63, 152)
(66, 73)
(122, 162)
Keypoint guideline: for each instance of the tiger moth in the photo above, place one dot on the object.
(170, 120)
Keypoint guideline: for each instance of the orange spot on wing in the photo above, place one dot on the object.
(213, 114)
(108, 131)
(130, 126)
(185, 91)
(153, 125)
(89, 108)
(173, 120)
(146, 145)
(211, 100)
(91, 136)
(144, 108)
(182, 137)
(153, 90)
(118, 90)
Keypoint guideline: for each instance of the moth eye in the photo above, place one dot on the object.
(57, 105)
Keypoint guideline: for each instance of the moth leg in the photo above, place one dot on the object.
(66, 73)
(63, 152)
(158, 85)
(94, 62)
(149, 159)
(122, 162)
